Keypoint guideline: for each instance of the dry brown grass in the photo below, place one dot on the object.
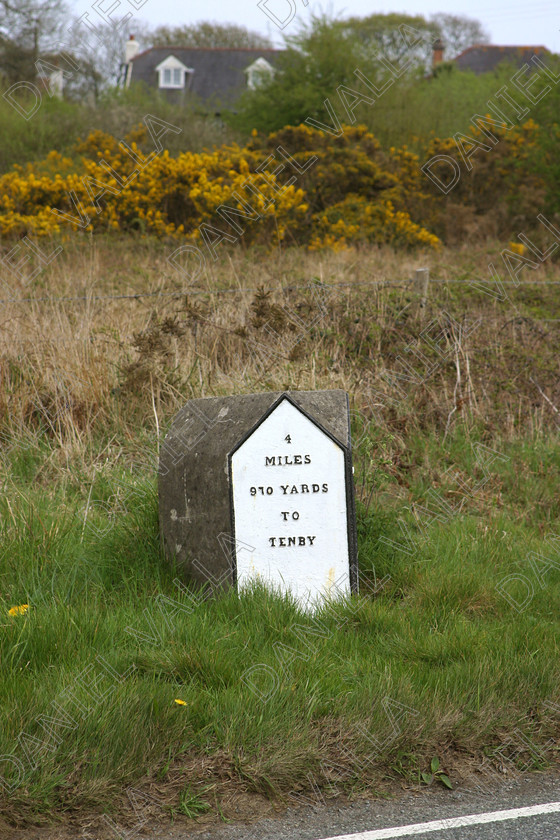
(99, 366)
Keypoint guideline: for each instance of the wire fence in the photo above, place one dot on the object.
(476, 284)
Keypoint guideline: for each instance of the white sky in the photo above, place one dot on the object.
(531, 22)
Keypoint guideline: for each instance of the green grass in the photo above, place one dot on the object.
(430, 631)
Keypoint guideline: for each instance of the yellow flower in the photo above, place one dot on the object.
(517, 248)
(180, 702)
(21, 610)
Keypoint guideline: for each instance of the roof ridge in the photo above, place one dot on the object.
(207, 49)
(500, 48)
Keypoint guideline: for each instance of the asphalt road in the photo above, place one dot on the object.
(493, 824)
(408, 817)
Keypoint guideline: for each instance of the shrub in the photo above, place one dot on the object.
(331, 190)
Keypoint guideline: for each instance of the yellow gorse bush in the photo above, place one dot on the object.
(297, 185)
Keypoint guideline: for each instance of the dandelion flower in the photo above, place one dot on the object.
(180, 702)
(21, 610)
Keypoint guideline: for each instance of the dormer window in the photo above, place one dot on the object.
(173, 77)
(172, 73)
(258, 73)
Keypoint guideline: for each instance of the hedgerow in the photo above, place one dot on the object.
(300, 185)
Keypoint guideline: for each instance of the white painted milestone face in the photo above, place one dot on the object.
(289, 499)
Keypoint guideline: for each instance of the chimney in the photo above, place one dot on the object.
(438, 48)
(131, 49)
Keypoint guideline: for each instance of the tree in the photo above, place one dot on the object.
(101, 56)
(317, 59)
(459, 32)
(28, 28)
(208, 34)
(323, 56)
(396, 35)
(398, 38)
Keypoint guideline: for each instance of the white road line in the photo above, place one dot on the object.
(454, 822)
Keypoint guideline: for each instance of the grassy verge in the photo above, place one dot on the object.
(451, 650)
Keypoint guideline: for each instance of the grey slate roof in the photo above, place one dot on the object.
(218, 78)
(483, 58)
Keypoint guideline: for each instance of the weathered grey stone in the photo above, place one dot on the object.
(194, 493)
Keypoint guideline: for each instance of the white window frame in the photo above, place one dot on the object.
(258, 73)
(171, 67)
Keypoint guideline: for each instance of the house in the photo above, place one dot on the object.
(213, 77)
(52, 83)
(483, 58)
(44, 73)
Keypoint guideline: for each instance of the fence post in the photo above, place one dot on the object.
(421, 280)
